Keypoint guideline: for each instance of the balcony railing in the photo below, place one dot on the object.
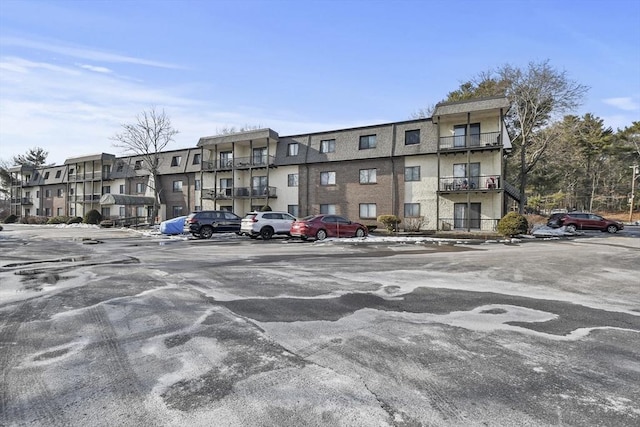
(26, 201)
(240, 193)
(86, 198)
(472, 183)
(95, 176)
(467, 224)
(239, 163)
(463, 142)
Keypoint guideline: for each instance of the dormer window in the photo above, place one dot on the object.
(175, 160)
(138, 165)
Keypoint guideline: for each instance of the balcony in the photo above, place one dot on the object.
(483, 141)
(89, 176)
(239, 163)
(240, 193)
(26, 201)
(468, 224)
(451, 184)
(86, 198)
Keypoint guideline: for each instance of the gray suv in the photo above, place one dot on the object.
(266, 224)
(204, 223)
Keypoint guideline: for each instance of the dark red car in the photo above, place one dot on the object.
(587, 221)
(320, 227)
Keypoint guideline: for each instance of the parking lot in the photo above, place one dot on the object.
(115, 327)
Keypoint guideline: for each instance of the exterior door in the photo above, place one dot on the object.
(466, 216)
(474, 134)
(459, 132)
(259, 186)
(260, 156)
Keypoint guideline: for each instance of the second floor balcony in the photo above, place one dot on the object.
(261, 192)
(239, 163)
(469, 183)
(489, 140)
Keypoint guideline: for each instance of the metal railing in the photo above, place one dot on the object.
(470, 183)
(239, 163)
(261, 192)
(483, 140)
(468, 224)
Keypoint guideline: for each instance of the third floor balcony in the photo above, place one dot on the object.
(483, 141)
(239, 163)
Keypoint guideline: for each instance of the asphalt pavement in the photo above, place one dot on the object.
(108, 327)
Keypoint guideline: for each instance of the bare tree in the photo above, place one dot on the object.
(538, 94)
(423, 113)
(147, 137)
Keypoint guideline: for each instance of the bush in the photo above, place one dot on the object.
(389, 221)
(265, 208)
(513, 224)
(11, 219)
(34, 220)
(74, 220)
(92, 217)
(414, 223)
(58, 220)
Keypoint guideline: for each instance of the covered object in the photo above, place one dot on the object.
(173, 225)
(126, 199)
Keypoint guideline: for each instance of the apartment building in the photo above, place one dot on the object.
(440, 173)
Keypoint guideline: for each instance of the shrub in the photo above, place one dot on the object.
(74, 220)
(389, 221)
(265, 208)
(34, 220)
(414, 223)
(58, 220)
(92, 217)
(11, 219)
(512, 224)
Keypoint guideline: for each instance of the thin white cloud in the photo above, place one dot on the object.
(95, 68)
(624, 103)
(83, 53)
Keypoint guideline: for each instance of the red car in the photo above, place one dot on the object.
(322, 226)
(588, 221)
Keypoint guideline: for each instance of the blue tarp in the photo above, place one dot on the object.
(173, 225)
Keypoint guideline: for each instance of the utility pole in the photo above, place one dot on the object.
(633, 186)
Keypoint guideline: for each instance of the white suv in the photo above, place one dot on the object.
(266, 224)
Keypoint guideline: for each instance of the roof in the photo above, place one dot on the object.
(126, 199)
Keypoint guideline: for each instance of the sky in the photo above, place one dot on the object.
(73, 72)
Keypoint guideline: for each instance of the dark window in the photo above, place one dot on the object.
(175, 160)
(58, 174)
(412, 173)
(328, 146)
(292, 180)
(412, 137)
(292, 149)
(46, 175)
(367, 141)
(196, 159)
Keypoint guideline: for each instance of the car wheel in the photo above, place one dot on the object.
(321, 235)
(359, 232)
(206, 232)
(266, 233)
(571, 228)
(612, 229)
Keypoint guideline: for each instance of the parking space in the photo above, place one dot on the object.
(111, 327)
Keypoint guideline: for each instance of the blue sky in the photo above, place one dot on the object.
(71, 72)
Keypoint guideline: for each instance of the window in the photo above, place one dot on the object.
(46, 175)
(38, 194)
(119, 167)
(71, 171)
(72, 212)
(225, 186)
(196, 159)
(138, 165)
(140, 187)
(367, 176)
(122, 211)
(411, 210)
(197, 185)
(105, 212)
(177, 186)
(140, 211)
(292, 180)
(412, 137)
(175, 160)
(71, 191)
(328, 146)
(466, 175)
(412, 173)
(292, 149)
(58, 173)
(106, 189)
(466, 216)
(177, 211)
(460, 132)
(327, 178)
(47, 211)
(368, 210)
(367, 141)
(199, 208)
(28, 177)
(59, 193)
(328, 209)
(259, 186)
(293, 210)
(121, 188)
(59, 212)
(260, 156)
(226, 160)
(47, 193)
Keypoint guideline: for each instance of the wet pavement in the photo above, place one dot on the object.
(113, 327)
